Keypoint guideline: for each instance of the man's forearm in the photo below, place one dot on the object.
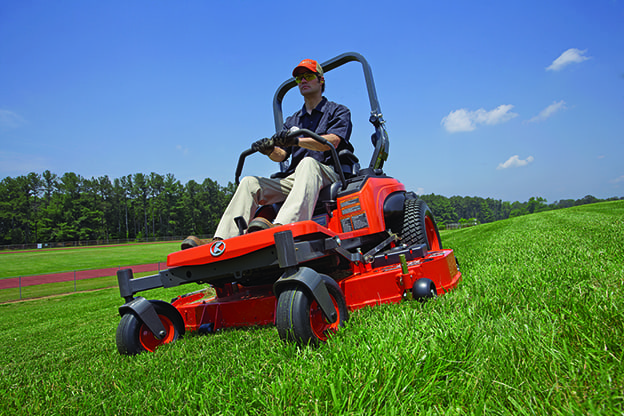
(310, 143)
(278, 154)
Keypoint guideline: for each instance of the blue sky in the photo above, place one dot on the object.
(500, 99)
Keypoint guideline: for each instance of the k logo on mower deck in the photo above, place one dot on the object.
(217, 248)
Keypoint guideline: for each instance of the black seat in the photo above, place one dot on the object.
(349, 163)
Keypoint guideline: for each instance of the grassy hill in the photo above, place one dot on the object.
(535, 327)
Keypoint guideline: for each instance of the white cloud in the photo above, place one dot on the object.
(515, 162)
(458, 120)
(9, 119)
(465, 120)
(549, 111)
(570, 56)
(618, 180)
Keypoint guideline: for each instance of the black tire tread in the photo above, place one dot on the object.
(292, 315)
(127, 334)
(413, 230)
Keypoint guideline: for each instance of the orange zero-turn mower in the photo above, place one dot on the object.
(369, 242)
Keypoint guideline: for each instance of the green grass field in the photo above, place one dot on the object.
(25, 263)
(35, 262)
(535, 327)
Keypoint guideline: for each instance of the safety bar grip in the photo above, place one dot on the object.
(241, 162)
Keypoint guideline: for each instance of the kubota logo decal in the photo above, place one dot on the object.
(217, 248)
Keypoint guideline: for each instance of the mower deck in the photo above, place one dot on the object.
(242, 306)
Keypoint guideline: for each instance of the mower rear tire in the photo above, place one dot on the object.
(419, 226)
(299, 317)
(134, 337)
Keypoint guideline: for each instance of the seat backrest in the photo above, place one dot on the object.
(349, 163)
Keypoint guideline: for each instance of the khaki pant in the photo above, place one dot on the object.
(299, 192)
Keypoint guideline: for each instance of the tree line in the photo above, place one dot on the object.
(45, 207)
(460, 209)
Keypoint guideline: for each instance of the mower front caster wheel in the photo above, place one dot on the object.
(134, 337)
(299, 317)
(424, 289)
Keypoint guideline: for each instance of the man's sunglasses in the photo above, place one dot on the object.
(309, 76)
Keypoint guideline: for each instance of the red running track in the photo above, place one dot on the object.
(14, 282)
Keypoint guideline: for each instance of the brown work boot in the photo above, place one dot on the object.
(192, 241)
(259, 223)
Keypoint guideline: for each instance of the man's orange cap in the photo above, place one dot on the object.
(309, 64)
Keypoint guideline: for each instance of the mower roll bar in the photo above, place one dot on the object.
(295, 133)
(381, 142)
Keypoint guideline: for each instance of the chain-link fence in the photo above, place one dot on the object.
(26, 287)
